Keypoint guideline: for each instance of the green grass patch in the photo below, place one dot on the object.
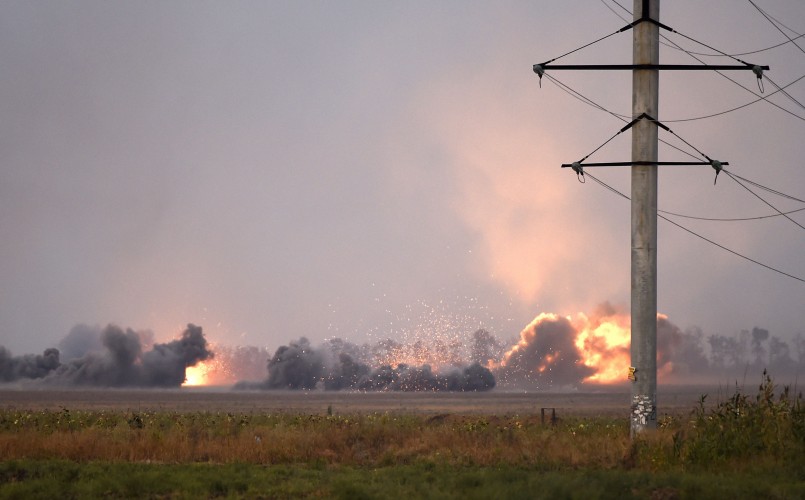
(65, 479)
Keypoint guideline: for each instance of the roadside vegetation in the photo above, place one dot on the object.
(742, 447)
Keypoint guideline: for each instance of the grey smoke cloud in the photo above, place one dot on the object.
(80, 341)
(111, 357)
(340, 365)
(546, 357)
(28, 366)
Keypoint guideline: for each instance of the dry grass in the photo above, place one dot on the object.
(373, 439)
(743, 447)
(767, 430)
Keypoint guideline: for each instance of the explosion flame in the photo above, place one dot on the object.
(552, 352)
(604, 342)
(197, 375)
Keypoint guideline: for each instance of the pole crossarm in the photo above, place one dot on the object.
(645, 17)
(539, 69)
(578, 166)
(632, 163)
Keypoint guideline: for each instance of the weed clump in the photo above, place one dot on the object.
(769, 426)
(766, 431)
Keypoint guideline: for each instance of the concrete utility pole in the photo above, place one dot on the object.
(645, 69)
(645, 100)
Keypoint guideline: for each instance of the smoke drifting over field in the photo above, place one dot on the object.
(111, 357)
(29, 366)
(342, 365)
(552, 352)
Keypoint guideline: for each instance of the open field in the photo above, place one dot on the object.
(197, 443)
(613, 401)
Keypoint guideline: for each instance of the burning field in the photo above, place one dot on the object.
(553, 352)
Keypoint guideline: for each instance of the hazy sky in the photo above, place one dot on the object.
(273, 169)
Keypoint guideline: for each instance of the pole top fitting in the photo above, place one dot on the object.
(758, 70)
(576, 166)
(717, 166)
(539, 70)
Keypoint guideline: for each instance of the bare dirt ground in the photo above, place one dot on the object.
(613, 401)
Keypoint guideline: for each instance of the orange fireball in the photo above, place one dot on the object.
(196, 375)
(603, 343)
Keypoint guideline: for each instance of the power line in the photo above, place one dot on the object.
(783, 25)
(693, 55)
(779, 89)
(709, 47)
(704, 53)
(615, 191)
(659, 124)
(752, 52)
(775, 25)
(590, 43)
(790, 97)
(578, 167)
(774, 191)
(763, 200)
(764, 98)
(581, 97)
(735, 177)
(729, 250)
(721, 219)
(729, 219)
(578, 95)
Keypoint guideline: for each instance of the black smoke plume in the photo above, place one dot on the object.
(28, 366)
(545, 357)
(340, 365)
(116, 359)
(295, 366)
(82, 340)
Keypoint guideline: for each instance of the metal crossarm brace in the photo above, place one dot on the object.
(632, 163)
(541, 68)
(643, 116)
